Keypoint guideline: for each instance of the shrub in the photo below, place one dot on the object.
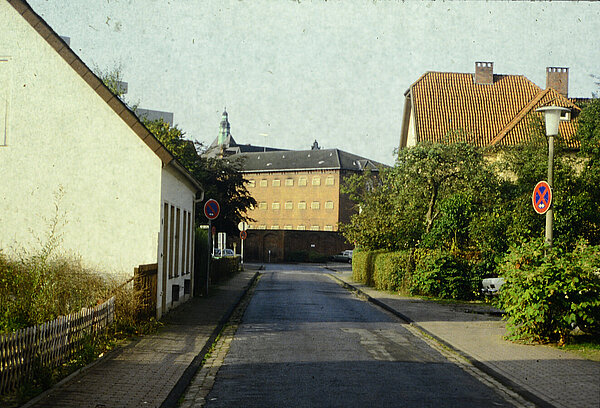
(223, 268)
(363, 266)
(36, 289)
(443, 274)
(390, 269)
(545, 296)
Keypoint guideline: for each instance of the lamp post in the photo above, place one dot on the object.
(551, 119)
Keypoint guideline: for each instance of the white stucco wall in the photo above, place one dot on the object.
(60, 135)
(411, 139)
(177, 193)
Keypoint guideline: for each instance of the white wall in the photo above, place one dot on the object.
(177, 195)
(61, 135)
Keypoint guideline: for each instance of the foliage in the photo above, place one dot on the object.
(223, 268)
(444, 274)
(35, 290)
(392, 269)
(546, 295)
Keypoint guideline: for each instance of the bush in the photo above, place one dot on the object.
(544, 297)
(390, 270)
(443, 274)
(223, 268)
(363, 266)
(36, 289)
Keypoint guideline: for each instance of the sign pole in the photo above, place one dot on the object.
(242, 254)
(549, 217)
(209, 250)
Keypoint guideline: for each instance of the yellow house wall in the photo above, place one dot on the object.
(60, 136)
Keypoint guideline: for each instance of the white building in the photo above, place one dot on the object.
(125, 200)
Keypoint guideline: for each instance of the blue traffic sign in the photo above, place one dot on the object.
(211, 209)
(542, 197)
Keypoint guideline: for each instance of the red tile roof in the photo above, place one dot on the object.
(452, 105)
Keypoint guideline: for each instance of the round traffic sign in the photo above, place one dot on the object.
(243, 235)
(542, 197)
(211, 209)
(242, 225)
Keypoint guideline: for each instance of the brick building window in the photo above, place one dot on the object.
(251, 183)
(262, 205)
(314, 228)
(276, 183)
(315, 205)
(275, 205)
(329, 205)
(262, 227)
(287, 227)
(274, 227)
(289, 205)
(316, 181)
(328, 228)
(301, 227)
(263, 183)
(302, 205)
(302, 181)
(289, 182)
(329, 181)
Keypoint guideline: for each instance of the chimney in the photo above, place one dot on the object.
(484, 73)
(557, 78)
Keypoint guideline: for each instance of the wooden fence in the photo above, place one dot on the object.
(49, 344)
(145, 286)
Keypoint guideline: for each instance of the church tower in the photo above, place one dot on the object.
(225, 129)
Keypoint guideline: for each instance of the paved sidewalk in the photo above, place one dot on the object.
(544, 375)
(156, 368)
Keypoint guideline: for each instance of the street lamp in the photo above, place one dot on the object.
(552, 119)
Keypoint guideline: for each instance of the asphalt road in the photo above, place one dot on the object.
(305, 341)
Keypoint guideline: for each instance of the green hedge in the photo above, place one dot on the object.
(223, 268)
(383, 270)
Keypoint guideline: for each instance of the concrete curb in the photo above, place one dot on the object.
(188, 375)
(528, 395)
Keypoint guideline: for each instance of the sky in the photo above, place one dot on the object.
(291, 72)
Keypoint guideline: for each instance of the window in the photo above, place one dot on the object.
(329, 181)
(289, 205)
(251, 183)
(287, 227)
(274, 227)
(262, 227)
(302, 205)
(302, 181)
(263, 183)
(315, 205)
(316, 181)
(329, 205)
(289, 182)
(276, 183)
(328, 228)
(314, 228)
(301, 227)
(262, 205)
(275, 205)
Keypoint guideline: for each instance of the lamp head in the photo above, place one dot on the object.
(552, 118)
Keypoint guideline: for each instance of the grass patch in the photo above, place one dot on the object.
(584, 345)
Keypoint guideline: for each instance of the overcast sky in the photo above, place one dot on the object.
(291, 72)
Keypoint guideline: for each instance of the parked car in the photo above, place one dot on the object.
(226, 252)
(491, 285)
(344, 256)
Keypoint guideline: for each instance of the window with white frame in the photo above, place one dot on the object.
(301, 227)
(316, 181)
(329, 181)
(302, 205)
(276, 183)
(262, 205)
(328, 228)
(251, 183)
(275, 205)
(289, 205)
(302, 181)
(263, 183)
(289, 182)
(329, 205)
(314, 228)
(315, 205)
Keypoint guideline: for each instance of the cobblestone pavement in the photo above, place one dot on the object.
(143, 374)
(545, 375)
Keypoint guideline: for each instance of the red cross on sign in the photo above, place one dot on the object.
(542, 197)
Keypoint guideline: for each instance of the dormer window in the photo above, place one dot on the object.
(565, 116)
